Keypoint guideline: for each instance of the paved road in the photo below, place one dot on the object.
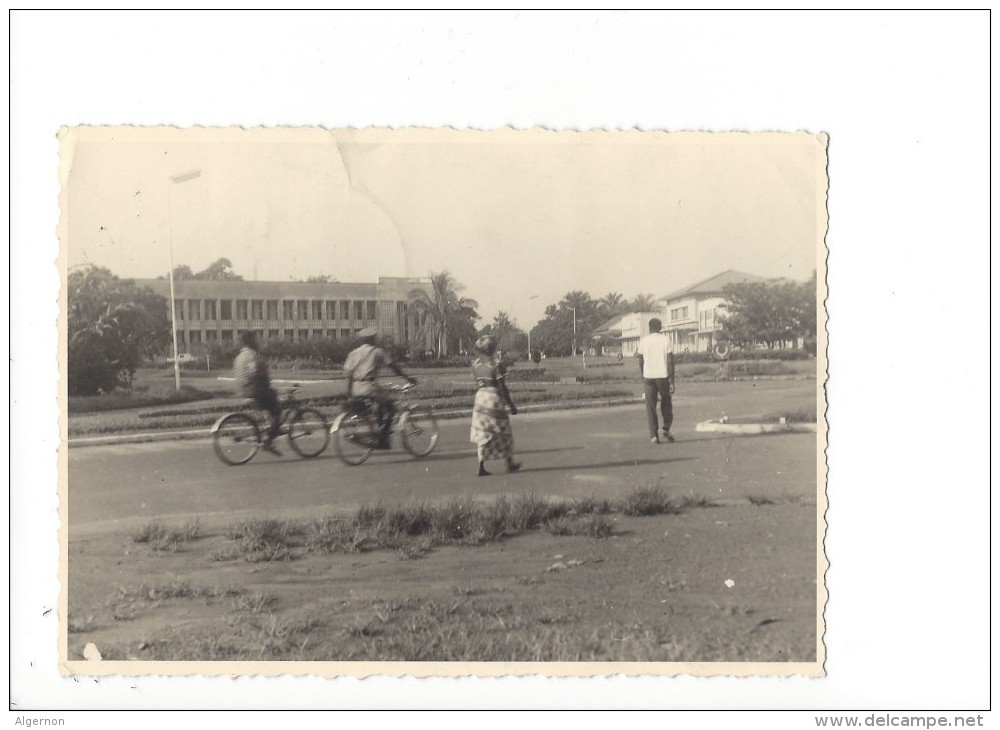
(565, 453)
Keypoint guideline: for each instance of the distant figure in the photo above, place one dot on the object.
(491, 430)
(656, 363)
(621, 356)
(362, 367)
(250, 371)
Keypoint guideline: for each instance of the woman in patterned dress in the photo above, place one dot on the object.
(490, 419)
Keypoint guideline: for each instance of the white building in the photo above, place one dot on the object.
(691, 316)
(217, 311)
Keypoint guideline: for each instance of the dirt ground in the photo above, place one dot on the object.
(734, 583)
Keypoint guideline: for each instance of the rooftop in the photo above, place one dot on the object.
(715, 284)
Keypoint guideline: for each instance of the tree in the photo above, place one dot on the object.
(553, 335)
(318, 279)
(112, 325)
(509, 337)
(613, 304)
(642, 303)
(219, 270)
(444, 315)
(769, 313)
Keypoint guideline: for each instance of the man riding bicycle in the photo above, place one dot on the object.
(250, 370)
(362, 368)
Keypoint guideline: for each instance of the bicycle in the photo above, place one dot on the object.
(237, 436)
(356, 432)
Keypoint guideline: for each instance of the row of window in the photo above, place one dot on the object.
(261, 309)
(198, 336)
(706, 318)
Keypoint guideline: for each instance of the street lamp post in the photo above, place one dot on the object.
(533, 296)
(584, 351)
(174, 180)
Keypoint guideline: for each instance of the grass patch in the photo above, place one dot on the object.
(161, 538)
(412, 530)
(752, 368)
(591, 525)
(592, 505)
(139, 397)
(646, 501)
(267, 540)
(759, 500)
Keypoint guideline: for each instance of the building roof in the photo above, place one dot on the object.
(612, 325)
(386, 287)
(714, 284)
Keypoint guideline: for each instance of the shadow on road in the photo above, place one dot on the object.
(605, 465)
(400, 456)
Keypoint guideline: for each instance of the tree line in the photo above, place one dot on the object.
(113, 325)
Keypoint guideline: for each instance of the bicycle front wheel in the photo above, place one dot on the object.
(419, 430)
(308, 433)
(353, 436)
(235, 438)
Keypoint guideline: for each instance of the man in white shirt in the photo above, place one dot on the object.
(656, 363)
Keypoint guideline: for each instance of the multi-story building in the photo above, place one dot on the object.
(691, 316)
(217, 311)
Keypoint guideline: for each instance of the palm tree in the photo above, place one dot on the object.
(442, 310)
(643, 303)
(613, 303)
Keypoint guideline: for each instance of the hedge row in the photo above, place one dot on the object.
(776, 354)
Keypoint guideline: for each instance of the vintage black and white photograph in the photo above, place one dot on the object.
(530, 400)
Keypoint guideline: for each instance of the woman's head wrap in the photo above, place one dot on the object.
(486, 344)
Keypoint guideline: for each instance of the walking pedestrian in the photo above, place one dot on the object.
(491, 430)
(656, 363)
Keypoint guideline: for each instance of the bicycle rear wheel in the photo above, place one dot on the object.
(308, 433)
(419, 431)
(354, 438)
(235, 438)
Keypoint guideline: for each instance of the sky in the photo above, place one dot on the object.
(519, 218)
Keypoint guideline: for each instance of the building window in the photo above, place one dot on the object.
(317, 333)
(288, 310)
(194, 308)
(345, 311)
(178, 310)
(331, 310)
(303, 309)
(359, 310)
(272, 308)
(371, 310)
(257, 309)
(317, 308)
(227, 335)
(303, 334)
(211, 335)
(345, 334)
(209, 309)
(194, 336)
(242, 309)
(289, 335)
(678, 313)
(273, 334)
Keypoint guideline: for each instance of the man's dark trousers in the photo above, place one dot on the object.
(268, 400)
(653, 388)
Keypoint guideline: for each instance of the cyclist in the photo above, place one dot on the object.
(250, 370)
(362, 368)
